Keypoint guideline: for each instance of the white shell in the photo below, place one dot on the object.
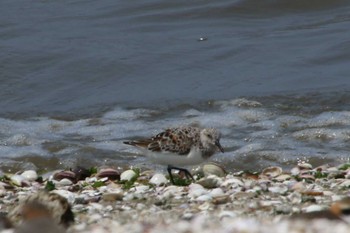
(313, 208)
(278, 189)
(30, 175)
(64, 182)
(272, 171)
(158, 179)
(17, 179)
(213, 169)
(205, 197)
(127, 175)
(217, 192)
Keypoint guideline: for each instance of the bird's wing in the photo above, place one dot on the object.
(175, 140)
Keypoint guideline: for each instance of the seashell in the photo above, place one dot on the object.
(299, 186)
(158, 179)
(17, 180)
(295, 198)
(233, 183)
(64, 175)
(313, 208)
(196, 190)
(128, 175)
(205, 197)
(278, 189)
(295, 171)
(141, 189)
(209, 182)
(213, 169)
(305, 166)
(272, 172)
(109, 173)
(283, 177)
(307, 177)
(223, 199)
(64, 182)
(30, 175)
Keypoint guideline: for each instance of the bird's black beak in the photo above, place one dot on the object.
(217, 143)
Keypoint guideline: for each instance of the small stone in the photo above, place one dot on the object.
(158, 179)
(30, 175)
(196, 192)
(216, 192)
(295, 171)
(17, 180)
(128, 175)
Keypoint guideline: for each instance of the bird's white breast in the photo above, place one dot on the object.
(169, 158)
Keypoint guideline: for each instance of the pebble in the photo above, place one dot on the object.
(158, 179)
(18, 180)
(128, 175)
(30, 175)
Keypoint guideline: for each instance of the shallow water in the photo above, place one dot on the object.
(78, 77)
(255, 134)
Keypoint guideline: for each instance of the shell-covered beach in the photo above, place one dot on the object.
(303, 199)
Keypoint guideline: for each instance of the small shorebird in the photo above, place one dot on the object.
(180, 147)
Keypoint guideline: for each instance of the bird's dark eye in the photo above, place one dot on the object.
(209, 136)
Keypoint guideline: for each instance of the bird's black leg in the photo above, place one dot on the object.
(187, 173)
